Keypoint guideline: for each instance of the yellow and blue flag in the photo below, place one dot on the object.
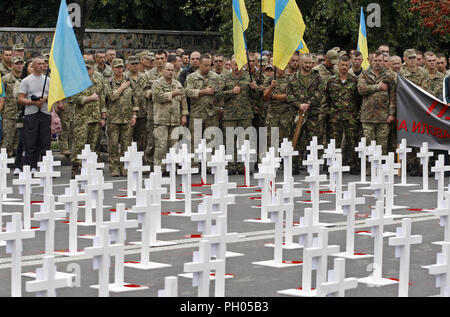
(303, 48)
(240, 24)
(289, 30)
(268, 7)
(362, 41)
(68, 69)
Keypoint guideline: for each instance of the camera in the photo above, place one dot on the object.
(35, 98)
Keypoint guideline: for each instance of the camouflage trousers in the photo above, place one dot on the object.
(150, 147)
(234, 165)
(311, 128)
(283, 120)
(83, 134)
(140, 134)
(120, 136)
(349, 130)
(206, 122)
(8, 135)
(163, 142)
(65, 136)
(378, 132)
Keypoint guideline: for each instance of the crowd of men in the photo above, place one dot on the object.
(144, 98)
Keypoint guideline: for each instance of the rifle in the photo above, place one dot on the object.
(298, 128)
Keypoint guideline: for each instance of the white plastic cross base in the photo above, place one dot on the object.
(58, 275)
(7, 199)
(292, 246)
(377, 282)
(177, 214)
(385, 234)
(166, 230)
(69, 254)
(157, 243)
(332, 212)
(298, 292)
(230, 254)
(124, 197)
(357, 256)
(87, 236)
(123, 289)
(258, 221)
(149, 266)
(212, 276)
(2, 243)
(272, 263)
(310, 202)
(86, 224)
(399, 207)
(406, 185)
(94, 207)
(424, 191)
(362, 183)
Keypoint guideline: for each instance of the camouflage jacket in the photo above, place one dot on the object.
(326, 73)
(377, 105)
(120, 107)
(419, 78)
(139, 85)
(199, 105)
(4, 69)
(436, 83)
(167, 109)
(343, 101)
(107, 72)
(89, 112)
(313, 93)
(11, 107)
(237, 107)
(151, 76)
(280, 89)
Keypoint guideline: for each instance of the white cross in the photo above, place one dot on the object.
(47, 217)
(290, 193)
(219, 238)
(46, 173)
(47, 279)
(306, 229)
(218, 164)
(71, 198)
(337, 169)
(4, 191)
(376, 159)
(402, 243)
(25, 183)
(170, 287)
(101, 253)
(330, 154)
(203, 150)
(287, 152)
(171, 161)
(349, 203)
(186, 172)
(389, 170)
(155, 183)
(89, 164)
(205, 215)
(337, 283)
(13, 236)
(442, 270)
(202, 266)
(403, 151)
(424, 156)
(377, 223)
(439, 171)
(246, 154)
(316, 257)
(4, 170)
(363, 151)
(96, 194)
(266, 176)
(314, 180)
(444, 214)
(314, 147)
(135, 168)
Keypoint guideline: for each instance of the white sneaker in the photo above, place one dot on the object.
(16, 171)
(33, 171)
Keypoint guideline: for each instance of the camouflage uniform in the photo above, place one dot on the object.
(86, 119)
(312, 92)
(120, 113)
(107, 72)
(168, 111)
(377, 105)
(9, 113)
(4, 69)
(279, 113)
(421, 79)
(203, 107)
(140, 134)
(436, 82)
(64, 137)
(237, 110)
(343, 102)
(150, 76)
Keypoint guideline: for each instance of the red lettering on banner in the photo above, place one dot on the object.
(441, 114)
(431, 108)
(416, 126)
(403, 126)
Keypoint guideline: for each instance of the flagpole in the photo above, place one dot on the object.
(262, 44)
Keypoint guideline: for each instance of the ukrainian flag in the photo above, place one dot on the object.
(240, 24)
(268, 7)
(68, 69)
(289, 30)
(362, 41)
(303, 48)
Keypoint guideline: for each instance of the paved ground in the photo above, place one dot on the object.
(249, 280)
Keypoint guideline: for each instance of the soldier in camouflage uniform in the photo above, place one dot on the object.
(9, 113)
(101, 66)
(279, 113)
(151, 76)
(305, 91)
(89, 114)
(139, 83)
(379, 104)
(343, 102)
(418, 76)
(122, 110)
(202, 87)
(237, 95)
(436, 79)
(170, 111)
(5, 65)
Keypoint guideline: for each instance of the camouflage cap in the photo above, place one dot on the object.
(410, 53)
(45, 52)
(265, 61)
(17, 59)
(333, 55)
(117, 62)
(89, 63)
(134, 60)
(146, 54)
(342, 53)
(269, 67)
(337, 49)
(18, 47)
